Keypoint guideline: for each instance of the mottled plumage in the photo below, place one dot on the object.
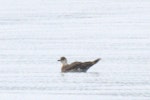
(76, 66)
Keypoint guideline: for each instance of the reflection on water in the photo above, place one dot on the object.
(94, 83)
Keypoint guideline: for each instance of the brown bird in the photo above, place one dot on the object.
(76, 66)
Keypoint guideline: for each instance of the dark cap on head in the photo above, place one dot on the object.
(62, 58)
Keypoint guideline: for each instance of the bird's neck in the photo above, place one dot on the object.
(64, 63)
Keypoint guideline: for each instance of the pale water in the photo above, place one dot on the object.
(35, 34)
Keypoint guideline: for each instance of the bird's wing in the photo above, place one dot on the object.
(86, 65)
(74, 65)
(81, 65)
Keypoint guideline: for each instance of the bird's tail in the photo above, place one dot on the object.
(97, 60)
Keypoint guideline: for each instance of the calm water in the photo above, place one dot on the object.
(33, 38)
(98, 85)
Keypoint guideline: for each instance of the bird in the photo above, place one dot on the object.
(76, 66)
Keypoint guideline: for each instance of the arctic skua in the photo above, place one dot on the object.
(76, 66)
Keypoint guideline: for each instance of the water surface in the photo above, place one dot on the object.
(33, 38)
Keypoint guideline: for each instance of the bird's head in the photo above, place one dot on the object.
(63, 60)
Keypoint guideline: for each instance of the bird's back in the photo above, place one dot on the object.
(77, 67)
(73, 67)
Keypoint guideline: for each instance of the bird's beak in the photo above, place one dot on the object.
(58, 60)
